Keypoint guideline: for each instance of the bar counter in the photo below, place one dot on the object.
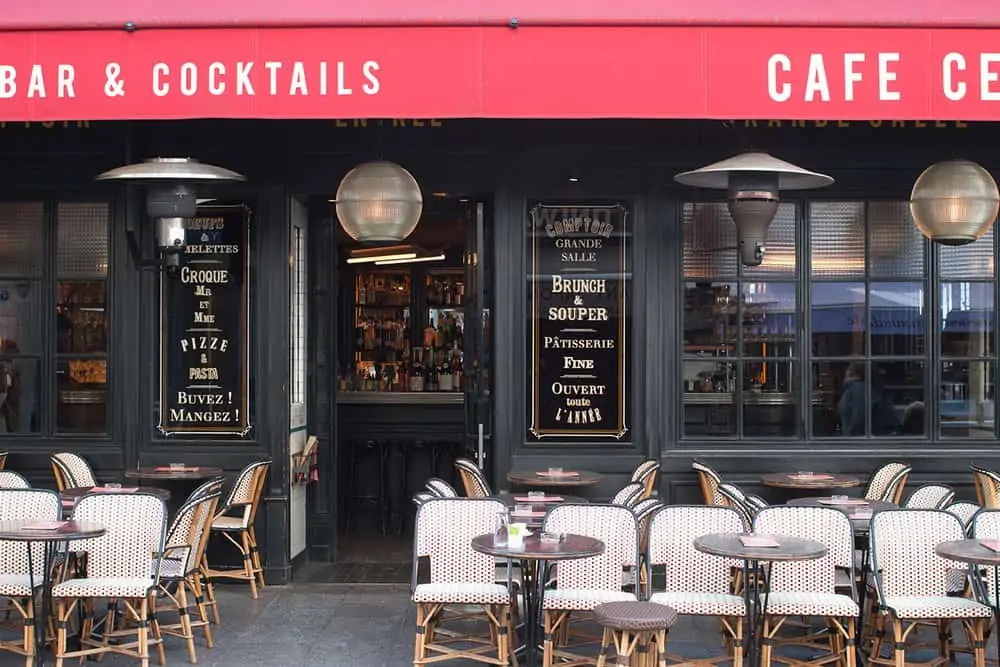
(401, 398)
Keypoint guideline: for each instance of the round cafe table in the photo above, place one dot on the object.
(542, 478)
(815, 480)
(974, 552)
(859, 510)
(50, 534)
(730, 545)
(72, 495)
(536, 557)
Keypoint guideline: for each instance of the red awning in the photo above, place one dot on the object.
(498, 72)
(73, 14)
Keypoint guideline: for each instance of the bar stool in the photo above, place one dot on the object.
(362, 452)
(639, 631)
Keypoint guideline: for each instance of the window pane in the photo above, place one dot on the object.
(967, 316)
(898, 398)
(709, 391)
(971, 261)
(710, 318)
(838, 319)
(967, 399)
(837, 239)
(769, 406)
(20, 317)
(834, 396)
(709, 241)
(21, 233)
(82, 239)
(20, 396)
(81, 317)
(779, 247)
(895, 245)
(769, 322)
(81, 396)
(896, 317)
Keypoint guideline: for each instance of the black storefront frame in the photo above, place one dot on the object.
(631, 169)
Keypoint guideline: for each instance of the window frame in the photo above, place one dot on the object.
(47, 356)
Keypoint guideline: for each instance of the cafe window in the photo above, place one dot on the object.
(869, 320)
(740, 364)
(966, 315)
(54, 259)
(297, 370)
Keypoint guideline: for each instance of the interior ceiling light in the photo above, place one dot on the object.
(422, 258)
(382, 253)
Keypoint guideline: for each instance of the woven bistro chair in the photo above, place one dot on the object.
(709, 481)
(911, 582)
(930, 497)
(737, 499)
(584, 584)
(809, 588)
(629, 495)
(645, 473)
(238, 515)
(72, 471)
(180, 571)
(16, 578)
(459, 575)
(644, 511)
(118, 569)
(964, 511)
(887, 483)
(473, 479)
(987, 485)
(13, 480)
(441, 488)
(3, 460)
(697, 584)
(421, 497)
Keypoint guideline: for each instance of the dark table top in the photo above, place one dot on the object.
(968, 551)
(38, 531)
(858, 510)
(168, 473)
(541, 478)
(729, 545)
(818, 480)
(573, 547)
(79, 492)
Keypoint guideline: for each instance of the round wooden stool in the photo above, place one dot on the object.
(639, 631)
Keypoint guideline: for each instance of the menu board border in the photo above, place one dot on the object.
(624, 270)
(244, 428)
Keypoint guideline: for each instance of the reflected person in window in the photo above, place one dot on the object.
(852, 405)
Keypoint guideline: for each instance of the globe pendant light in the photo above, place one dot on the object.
(752, 182)
(954, 202)
(379, 202)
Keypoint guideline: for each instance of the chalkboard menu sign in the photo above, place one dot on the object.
(204, 327)
(580, 322)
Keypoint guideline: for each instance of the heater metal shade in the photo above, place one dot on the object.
(954, 202)
(170, 169)
(379, 202)
(790, 176)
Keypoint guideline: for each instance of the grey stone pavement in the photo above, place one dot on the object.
(306, 625)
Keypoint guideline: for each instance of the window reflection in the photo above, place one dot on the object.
(838, 319)
(967, 316)
(896, 318)
(769, 399)
(857, 399)
(20, 396)
(81, 318)
(967, 399)
(82, 396)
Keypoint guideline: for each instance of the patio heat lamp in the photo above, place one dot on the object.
(752, 182)
(954, 202)
(379, 203)
(171, 186)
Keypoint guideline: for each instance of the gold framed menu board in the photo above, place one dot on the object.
(579, 322)
(204, 328)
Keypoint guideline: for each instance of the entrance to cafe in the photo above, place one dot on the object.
(414, 378)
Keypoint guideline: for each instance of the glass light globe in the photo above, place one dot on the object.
(379, 202)
(954, 202)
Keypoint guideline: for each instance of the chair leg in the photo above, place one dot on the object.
(547, 642)
(850, 652)
(199, 597)
(209, 590)
(605, 640)
(737, 624)
(248, 563)
(28, 606)
(899, 650)
(419, 650)
(185, 619)
(61, 615)
(143, 633)
(255, 551)
(154, 628)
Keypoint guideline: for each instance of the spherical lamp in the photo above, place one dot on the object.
(954, 202)
(379, 202)
(752, 181)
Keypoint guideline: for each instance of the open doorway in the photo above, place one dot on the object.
(412, 379)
